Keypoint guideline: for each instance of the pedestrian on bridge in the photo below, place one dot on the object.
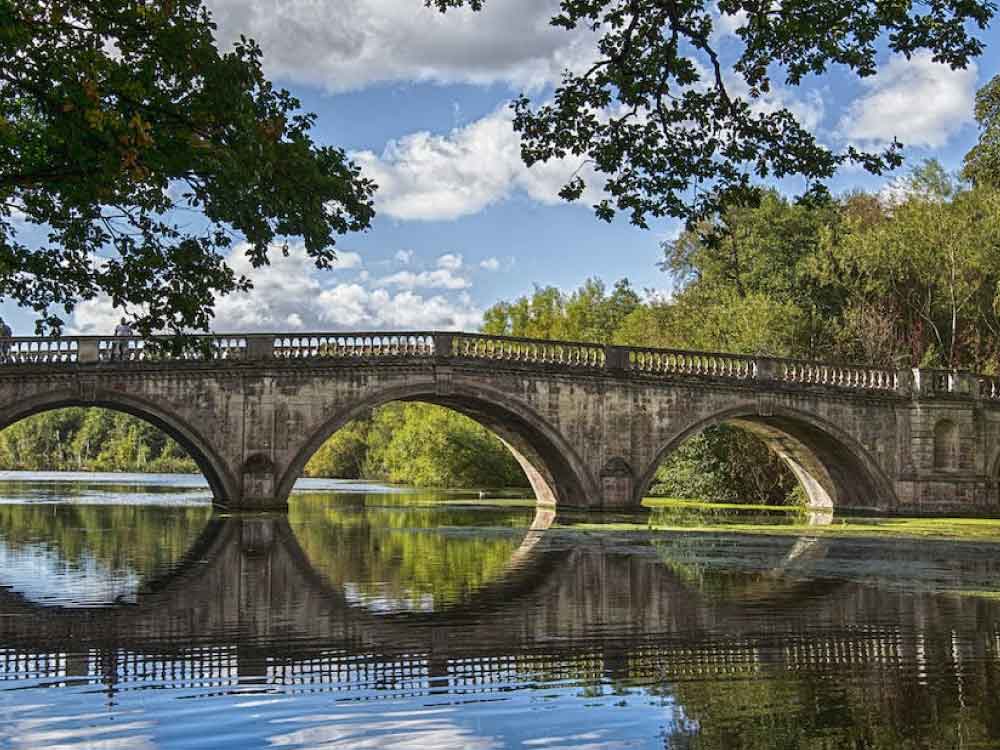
(123, 331)
(5, 336)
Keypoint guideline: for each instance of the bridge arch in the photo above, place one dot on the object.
(555, 470)
(834, 469)
(220, 479)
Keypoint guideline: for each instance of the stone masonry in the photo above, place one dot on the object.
(589, 423)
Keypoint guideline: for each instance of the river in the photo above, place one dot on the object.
(131, 616)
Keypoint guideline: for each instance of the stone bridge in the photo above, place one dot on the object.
(589, 423)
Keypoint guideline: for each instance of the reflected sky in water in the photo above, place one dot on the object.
(376, 619)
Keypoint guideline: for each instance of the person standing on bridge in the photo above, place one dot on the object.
(5, 336)
(122, 333)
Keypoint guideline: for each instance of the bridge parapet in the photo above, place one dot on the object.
(521, 352)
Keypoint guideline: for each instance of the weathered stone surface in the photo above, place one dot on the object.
(589, 424)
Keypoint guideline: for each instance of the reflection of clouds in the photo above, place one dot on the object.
(33, 733)
(422, 729)
(42, 575)
(383, 600)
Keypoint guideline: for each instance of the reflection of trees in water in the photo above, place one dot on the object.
(874, 708)
(145, 540)
(400, 551)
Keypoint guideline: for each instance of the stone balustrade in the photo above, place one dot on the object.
(474, 347)
(673, 362)
(521, 350)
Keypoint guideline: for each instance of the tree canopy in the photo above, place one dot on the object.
(134, 152)
(982, 163)
(675, 130)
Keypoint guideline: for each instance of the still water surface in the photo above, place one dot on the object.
(131, 616)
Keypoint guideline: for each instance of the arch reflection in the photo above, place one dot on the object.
(605, 617)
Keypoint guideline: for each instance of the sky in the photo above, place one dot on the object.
(420, 101)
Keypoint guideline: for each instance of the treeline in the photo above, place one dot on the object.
(416, 444)
(88, 439)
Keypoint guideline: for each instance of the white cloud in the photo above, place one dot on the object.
(441, 278)
(291, 294)
(919, 101)
(450, 261)
(346, 259)
(728, 25)
(351, 44)
(423, 176)
(490, 264)
(404, 256)
(94, 317)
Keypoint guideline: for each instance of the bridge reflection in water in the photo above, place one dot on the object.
(736, 641)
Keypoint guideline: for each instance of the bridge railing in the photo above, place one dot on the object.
(534, 351)
(349, 345)
(677, 362)
(803, 372)
(645, 362)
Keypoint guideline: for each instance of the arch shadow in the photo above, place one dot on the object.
(555, 470)
(834, 469)
(221, 481)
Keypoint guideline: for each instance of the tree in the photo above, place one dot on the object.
(132, 153)
(982, 163)
(933, 265)
(430, 446)
(678, 129)
(588, 314)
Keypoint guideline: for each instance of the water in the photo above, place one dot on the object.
(369, 617)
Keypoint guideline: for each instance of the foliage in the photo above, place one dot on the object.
(590, 313)
(677, 126)
(930, 268)
(81, 439)
(982, 163)
(422, 445)
(116, 117)
(344, 454)
(727, 465)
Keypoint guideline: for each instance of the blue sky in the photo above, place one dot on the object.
(420, 101)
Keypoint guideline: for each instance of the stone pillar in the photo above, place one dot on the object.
(260, 347)
(617, 484)
(88, 351)
(906, 381)
(442, 345)
(768, 369)
(615, 358)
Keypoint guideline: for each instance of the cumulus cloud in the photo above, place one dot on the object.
(918, 101)
(94, 317)
(351, 44)
(291, 294)
(346, 259)
(404, 256)
(450, 261)
(441, 278)
(490, 264)
(425, 176)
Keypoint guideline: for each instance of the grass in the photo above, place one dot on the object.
(954, 529)
(674, 502)
(992, 595)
